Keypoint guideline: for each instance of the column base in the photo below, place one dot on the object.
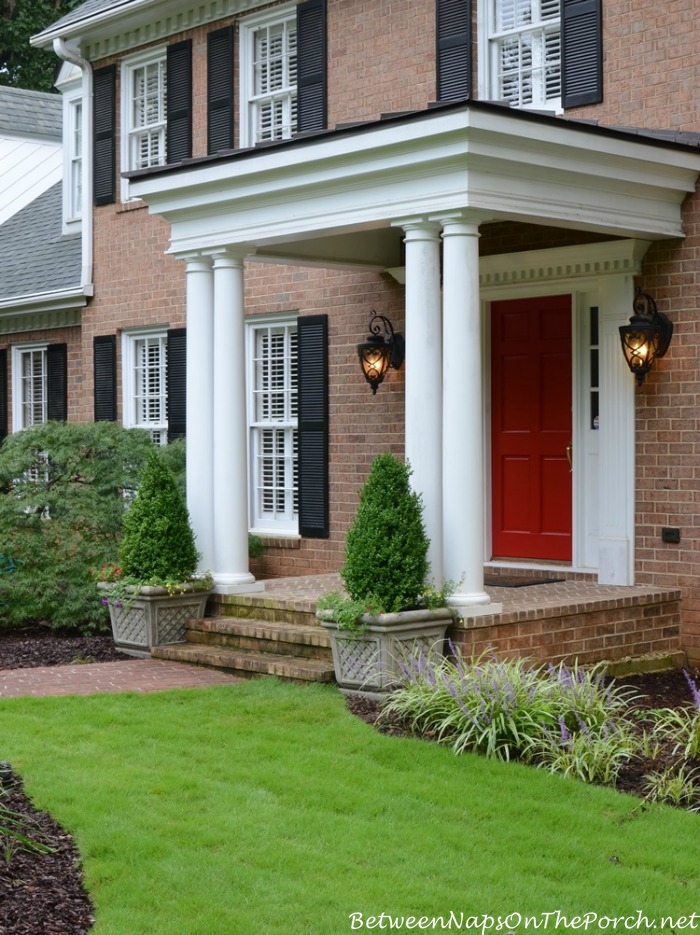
(477, 604)
(236, 584)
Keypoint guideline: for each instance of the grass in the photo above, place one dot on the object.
(268, 808)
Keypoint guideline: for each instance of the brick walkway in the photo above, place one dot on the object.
(134, 675)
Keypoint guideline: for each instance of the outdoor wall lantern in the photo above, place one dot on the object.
(383, 348)
(646, 337)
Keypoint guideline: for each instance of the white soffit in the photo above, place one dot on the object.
(506, 168)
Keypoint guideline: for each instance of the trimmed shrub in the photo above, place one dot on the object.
(386, 553)
(158, 542)
(62, 506)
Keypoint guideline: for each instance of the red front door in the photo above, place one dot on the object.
(531, 427)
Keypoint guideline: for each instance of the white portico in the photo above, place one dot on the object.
(432, 179)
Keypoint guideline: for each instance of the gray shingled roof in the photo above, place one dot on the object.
(34, 256)
(88, 8)
(34, 113)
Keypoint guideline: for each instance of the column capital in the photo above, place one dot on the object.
(231, 256)
(195, 262)
(461, 222)
(418, 228)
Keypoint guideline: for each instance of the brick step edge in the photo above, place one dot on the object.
(247, 663)
(306, 635)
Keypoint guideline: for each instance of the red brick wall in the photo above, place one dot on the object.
(610, 632)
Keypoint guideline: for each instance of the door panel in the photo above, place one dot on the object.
(531, 427)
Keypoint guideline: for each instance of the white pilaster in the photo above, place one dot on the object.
(230, 476)
(616, 460)
(423, 390)
(462, 407)
(200, 394)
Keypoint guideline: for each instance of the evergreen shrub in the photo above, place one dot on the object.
(158, 542)
(386, 552)
(62, 506)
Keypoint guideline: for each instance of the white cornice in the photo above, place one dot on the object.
(139, 22)
(43, 310)
(487, 161)
(609, 258)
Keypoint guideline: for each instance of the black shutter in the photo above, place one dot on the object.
(453, 31)
(104, 117)
(312, 338)
(311, 65)
(220, 90)
(177, 377)
(179, 101)
(581, 52)
(104, 349)
(57, 382)
(3, 394)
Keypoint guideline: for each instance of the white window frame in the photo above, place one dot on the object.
(73, 163)
(20, 404)
(488, 61)
(132, 418)
(284, 97)
(282, 516)
(156, 129)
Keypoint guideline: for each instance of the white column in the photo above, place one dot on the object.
(616, 481)
(423, 390)
(230, 474)
(200, 411)
(463, 407)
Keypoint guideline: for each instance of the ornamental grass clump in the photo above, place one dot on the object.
(566, 720)
(386, 553)
(158, 545)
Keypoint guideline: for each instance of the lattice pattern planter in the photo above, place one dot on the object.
(154, 617)
(369, 662)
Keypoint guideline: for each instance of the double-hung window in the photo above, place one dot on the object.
(75, 159)
(145, 383)
(520, 52)
(29, 386)
(268, 76)
(144, 105)
(272, 392)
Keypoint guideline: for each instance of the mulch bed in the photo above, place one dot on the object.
(43, 894)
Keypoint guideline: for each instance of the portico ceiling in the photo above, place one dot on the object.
(337, 197)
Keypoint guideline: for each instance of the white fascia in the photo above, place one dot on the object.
(506, 167)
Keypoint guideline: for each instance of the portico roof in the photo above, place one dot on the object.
(307, 198)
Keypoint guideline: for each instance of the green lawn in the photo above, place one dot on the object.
(267, 808)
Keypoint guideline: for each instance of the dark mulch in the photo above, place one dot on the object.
(43, 894)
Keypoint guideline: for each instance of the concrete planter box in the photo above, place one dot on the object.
(368, 663)
(153, 617)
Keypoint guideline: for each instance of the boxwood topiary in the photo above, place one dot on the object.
(158, 542)
(386, 552)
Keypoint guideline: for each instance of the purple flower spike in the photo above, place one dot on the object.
(693, 688)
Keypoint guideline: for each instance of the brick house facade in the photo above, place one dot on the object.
(314, 163)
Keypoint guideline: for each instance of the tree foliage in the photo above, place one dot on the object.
(62, 507)
(22, 66)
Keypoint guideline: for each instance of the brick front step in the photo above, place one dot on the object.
(247, 663)
(306, 642)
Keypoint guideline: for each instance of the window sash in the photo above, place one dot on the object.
(76, 158)
(525, 50)
(273, 427)
(269, 79)
(33, 389)
(147, 404)
(147, 115)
